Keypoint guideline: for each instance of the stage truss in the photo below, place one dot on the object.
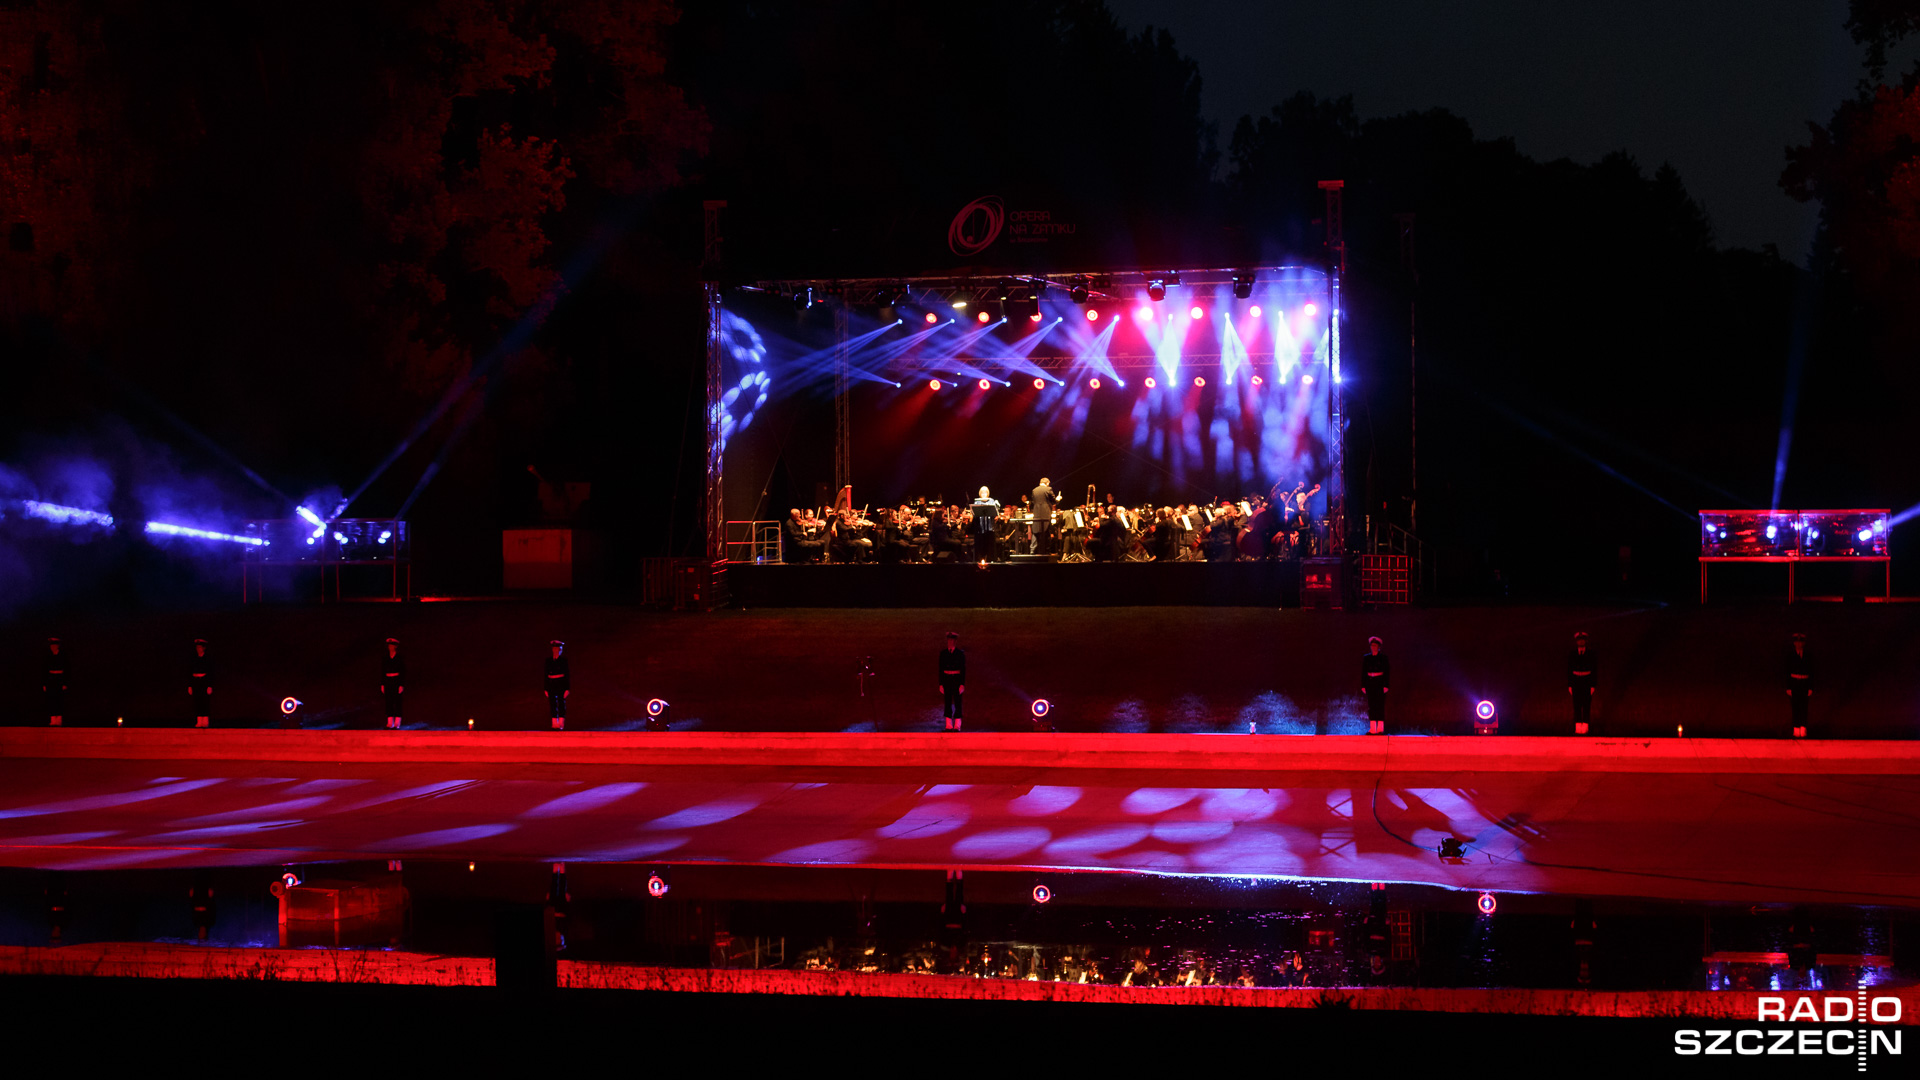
(976, 291)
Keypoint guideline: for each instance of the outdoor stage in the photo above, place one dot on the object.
(1706, 819)
(1005, 585)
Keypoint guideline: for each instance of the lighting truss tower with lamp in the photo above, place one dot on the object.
(1336, 411)
(842, 401)
(715, 548)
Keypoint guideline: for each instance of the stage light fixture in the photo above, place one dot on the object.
(933, 384)
(1254, 311)
(1039, 384)
(986, 384)
(1093, 314)
(1257, 380)
(1078, 292)
(959, 305)
(932, 318)
(657, 885)
(288, 704)
(1040, 708)
(1035, 317)
(1197, 312)
(803, 299)
(1866, 536)
(1042, 894)
(1093, 384)
(982, 316)
(657, 714)
(1306, 380)
(1150, 383)
(1156, 291)
(887, 295)
(1487, 904)
(1486, 719)
(1199, 381)
(1310, 309)
(1243, 284)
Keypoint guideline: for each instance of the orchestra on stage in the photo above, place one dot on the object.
(1040, 527)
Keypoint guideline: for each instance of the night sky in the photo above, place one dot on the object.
(1719, 89)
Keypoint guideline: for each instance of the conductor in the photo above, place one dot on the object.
(1042, 499)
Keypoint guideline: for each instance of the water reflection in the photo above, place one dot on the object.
(1116, 929)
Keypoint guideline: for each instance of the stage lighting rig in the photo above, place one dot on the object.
(1452, 850)
(803, 299)
(1243, 284)
(1078, 292)
(1156, 290)
(657, 714)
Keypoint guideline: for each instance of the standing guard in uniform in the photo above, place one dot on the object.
(54, 684)
(1799, 684)
(1375, 676)
(393, 682)
(559, 684)
(200, 684)
(1581, 682)
(953, 679)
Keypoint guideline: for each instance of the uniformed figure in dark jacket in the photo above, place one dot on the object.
(559, 684)
(1799, 684)
(1375, 676)
(200, 684)
(1581, 682)
(953, 678)
(54, 683)
(393, 682)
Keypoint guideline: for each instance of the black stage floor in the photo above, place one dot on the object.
(1130, 584)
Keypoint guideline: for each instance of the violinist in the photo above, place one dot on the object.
(796, 545)
(1218, 544)
(895, 544)
(847, 533)
(942, 535)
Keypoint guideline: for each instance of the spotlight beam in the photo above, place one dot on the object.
(576, 269)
